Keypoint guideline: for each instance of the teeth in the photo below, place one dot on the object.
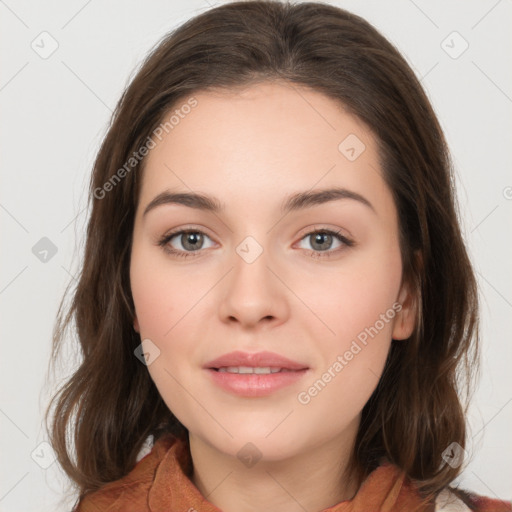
(250, 369)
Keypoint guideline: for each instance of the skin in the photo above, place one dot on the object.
(251, 148)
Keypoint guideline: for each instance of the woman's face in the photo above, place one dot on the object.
(317, 281)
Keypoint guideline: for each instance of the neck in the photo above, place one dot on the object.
(314, 480)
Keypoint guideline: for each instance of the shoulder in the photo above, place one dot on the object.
(458, 500)
(129, 492)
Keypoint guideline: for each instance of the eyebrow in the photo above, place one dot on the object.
(297, 201)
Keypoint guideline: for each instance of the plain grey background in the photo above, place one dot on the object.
(64, 67)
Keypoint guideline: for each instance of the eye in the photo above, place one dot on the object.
(183, 243)
(322, 241)
(189, 242)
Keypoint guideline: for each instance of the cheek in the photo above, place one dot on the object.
(160, 294)
(161, 303)
(356, 308)
(168, 304)
(355, 297)
(152, 300)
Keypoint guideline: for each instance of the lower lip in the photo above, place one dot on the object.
(252, 384)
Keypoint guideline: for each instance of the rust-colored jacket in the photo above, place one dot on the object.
(159, 483)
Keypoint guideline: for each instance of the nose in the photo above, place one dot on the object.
(253, 294)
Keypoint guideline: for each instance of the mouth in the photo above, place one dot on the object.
(252, 382)
(254, 374)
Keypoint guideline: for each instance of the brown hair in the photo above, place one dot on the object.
(416, 411)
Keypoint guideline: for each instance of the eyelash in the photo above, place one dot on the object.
(164, 241)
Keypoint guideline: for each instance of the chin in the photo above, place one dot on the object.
(250, 445)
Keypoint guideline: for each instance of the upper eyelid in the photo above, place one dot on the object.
(180, 231)
(310, 230)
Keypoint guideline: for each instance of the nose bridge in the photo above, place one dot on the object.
(252, 291)
(250, 276)
(250, 250)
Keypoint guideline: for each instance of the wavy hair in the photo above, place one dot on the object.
(101, 416)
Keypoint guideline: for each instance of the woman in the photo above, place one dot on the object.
(275, 293)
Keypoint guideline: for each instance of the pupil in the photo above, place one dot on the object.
(321, 238)
(192, 240)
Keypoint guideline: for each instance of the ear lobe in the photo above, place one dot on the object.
(136, 327)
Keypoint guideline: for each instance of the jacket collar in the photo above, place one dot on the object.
(385, 489)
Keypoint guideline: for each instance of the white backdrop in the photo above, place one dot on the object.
(64, 65)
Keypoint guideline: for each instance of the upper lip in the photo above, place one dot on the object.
(258, 359)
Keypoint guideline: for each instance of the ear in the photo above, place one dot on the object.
(405, 319)
(136, 326)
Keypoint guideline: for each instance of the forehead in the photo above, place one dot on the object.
(263, 141)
